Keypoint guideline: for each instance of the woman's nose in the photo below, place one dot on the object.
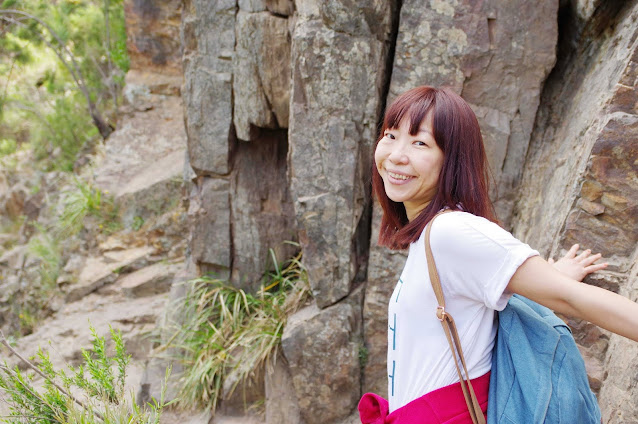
(398, 155)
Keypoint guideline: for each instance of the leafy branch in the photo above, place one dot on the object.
(5, 342)
(17, 17)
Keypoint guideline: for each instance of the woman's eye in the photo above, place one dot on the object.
(420, 143)
(390, 136)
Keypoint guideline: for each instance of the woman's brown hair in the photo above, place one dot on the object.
(464, 178)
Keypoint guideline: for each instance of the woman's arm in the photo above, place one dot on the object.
(539, 281)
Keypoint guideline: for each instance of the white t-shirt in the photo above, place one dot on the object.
(475, 259)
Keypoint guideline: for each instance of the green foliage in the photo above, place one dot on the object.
(85, 201)
(66, 129)
(54, 71)
(138, 222)
(102, 392)
(46, 247)
(231, 331)
(7, 146)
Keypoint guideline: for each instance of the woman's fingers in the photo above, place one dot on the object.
(593, 268)
(572, 251)
(588, 260)
(583, 255)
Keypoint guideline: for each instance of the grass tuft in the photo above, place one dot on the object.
(229, 330)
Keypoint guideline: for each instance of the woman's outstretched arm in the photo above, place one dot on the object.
(541, 282)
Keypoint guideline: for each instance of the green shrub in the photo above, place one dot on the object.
(45, 247)
(85, 201)
(7, 146)
(62, 65)
(103, 399)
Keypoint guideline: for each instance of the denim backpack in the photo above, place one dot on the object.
(538, 374)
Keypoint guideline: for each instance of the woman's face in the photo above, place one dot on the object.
(410, 165)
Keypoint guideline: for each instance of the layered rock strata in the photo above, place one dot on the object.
(579, 182)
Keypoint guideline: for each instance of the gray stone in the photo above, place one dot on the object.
(484, 51)
(261, 83)
(209, 211)
(252, 5)
(98, 272)
(148, 281)
(154, 380)
(14, 258)
(322, 351)
(281, 400)
(145, 176)
(207, 87)
(152, 191)
(262, 211)
(337, 82)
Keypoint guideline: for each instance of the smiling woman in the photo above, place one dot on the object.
(430, 158)
(433, 136)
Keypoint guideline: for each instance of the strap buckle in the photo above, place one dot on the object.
(440, 313)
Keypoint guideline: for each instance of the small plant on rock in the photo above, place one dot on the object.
(91, 393)
(231, 331)
(83, 202)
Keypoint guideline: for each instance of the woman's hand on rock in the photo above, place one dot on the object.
(578, 266)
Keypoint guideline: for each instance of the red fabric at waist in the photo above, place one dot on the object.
(442, 406)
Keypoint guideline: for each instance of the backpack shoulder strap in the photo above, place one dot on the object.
(449, 327)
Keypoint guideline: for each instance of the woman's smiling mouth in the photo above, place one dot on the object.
(400, 177)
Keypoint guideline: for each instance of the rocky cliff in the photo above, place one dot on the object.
(282, 100)
(553, 86)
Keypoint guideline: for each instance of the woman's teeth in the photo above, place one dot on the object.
(398, 176)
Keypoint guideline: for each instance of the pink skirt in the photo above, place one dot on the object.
(442, 406)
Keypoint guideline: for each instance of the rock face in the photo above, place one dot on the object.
(282, 102)
(208, 40)
(323, 356)
(152, 28)
(261, 208)
(579, 180)
(338, 70)
(261, 82)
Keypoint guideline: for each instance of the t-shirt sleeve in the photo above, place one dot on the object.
(476, 258)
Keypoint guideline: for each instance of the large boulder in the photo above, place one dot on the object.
(322, 350)
(339, 54)
(261, 208)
